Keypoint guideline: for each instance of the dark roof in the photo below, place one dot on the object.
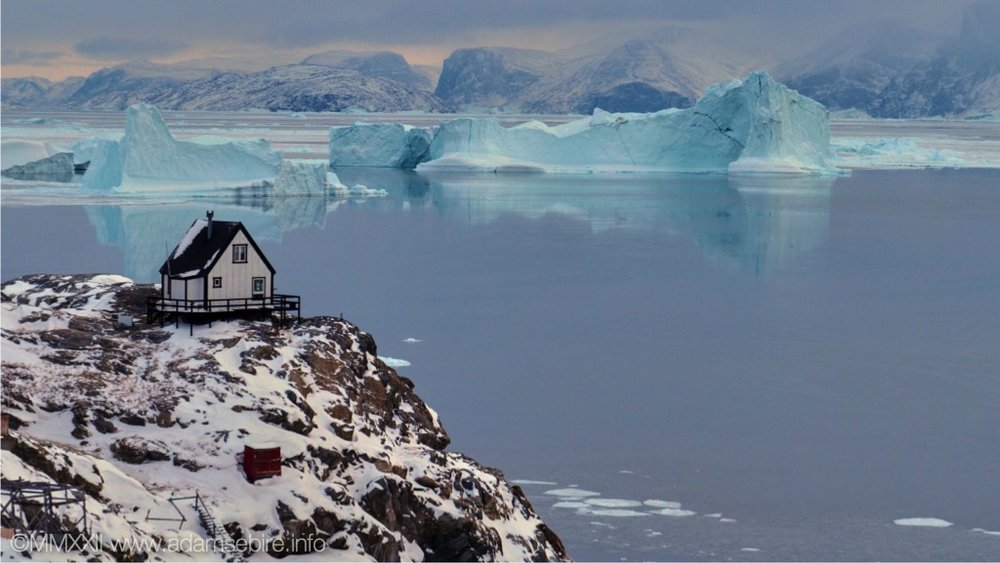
(196, 254)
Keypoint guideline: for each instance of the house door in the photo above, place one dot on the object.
(258, 288)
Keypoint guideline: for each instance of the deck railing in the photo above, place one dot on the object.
(157, 307)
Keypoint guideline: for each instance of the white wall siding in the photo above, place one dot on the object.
(237, 279)
(177, 289)
(196, 288)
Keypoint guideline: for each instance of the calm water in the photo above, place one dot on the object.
(811, 359)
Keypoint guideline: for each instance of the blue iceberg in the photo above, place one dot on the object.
(754, 125)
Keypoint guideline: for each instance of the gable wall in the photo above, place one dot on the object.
(236, 278)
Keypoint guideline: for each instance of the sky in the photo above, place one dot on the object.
(59, 38)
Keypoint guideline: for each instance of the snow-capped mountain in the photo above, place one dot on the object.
(670, 68)
(298, 87)
(493, 76)
(894, 71)
(134, 416)
(34, 91)
(639, 75)
(853, 70)
(884, 69)
(383, 64)
(962, 78)
(294, 87)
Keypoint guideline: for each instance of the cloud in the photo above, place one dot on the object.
(24, 56)
(108, 48)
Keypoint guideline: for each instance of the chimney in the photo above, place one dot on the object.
(209, 214)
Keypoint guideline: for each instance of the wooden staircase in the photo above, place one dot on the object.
(216, 531)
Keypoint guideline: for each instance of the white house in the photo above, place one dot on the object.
(216, 268)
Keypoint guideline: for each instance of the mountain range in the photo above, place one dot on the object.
(882, 68)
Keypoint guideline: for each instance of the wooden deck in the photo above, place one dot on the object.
(157, 308)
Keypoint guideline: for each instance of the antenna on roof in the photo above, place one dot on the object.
(167, 252)
(210, 214)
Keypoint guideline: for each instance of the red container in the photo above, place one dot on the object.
(261, 461)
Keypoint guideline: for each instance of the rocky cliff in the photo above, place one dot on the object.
(137, 415)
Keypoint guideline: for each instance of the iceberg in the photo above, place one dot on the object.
(384, 145)
(753, 125)
(56, 168)
(302, 177)
(149, 157)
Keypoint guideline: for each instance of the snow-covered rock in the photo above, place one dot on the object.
(754, 125)
(148, 157)
(134, 416)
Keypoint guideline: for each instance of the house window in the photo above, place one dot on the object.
(239, 253)
(216, 283)
(258, 286)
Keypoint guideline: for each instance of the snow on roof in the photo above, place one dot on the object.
(196, 253)
(189, 236)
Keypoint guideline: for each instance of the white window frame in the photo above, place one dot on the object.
(240, 253)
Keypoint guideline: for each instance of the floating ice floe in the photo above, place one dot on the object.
(754, 125)
(572, 493)
(394, 362)
(675, 512)
(614, 512)
(527, 481)
(893, 152)
(923, 522)
(412, 340)
(987, 532)
(613, 502)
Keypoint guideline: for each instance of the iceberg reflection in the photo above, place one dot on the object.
(754, 223)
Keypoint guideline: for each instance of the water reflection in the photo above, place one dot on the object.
(147, 233)
(755, 224)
